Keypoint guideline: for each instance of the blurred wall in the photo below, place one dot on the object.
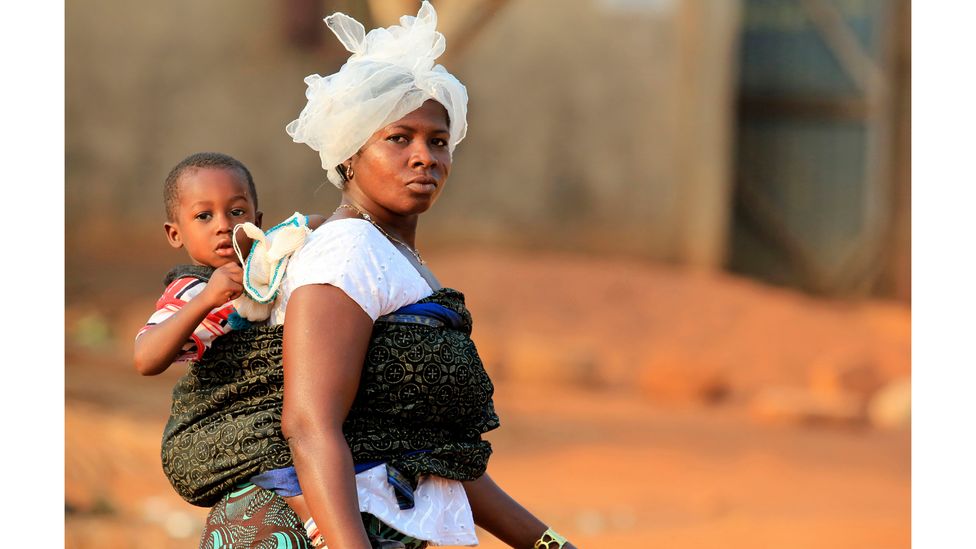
(595, 125)
(600, 126)
(822, 177)
(149, 83)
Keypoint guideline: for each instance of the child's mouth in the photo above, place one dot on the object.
(225, 250)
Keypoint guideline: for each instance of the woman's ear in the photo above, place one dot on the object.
(173, 234)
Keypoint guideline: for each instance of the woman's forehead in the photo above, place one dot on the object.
(431, 116)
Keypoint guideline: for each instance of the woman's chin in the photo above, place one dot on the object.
(418, 203)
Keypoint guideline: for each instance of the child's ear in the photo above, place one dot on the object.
(173, 234)
(258, 216)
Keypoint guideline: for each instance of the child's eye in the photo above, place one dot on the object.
(204, 216)
(237, 212)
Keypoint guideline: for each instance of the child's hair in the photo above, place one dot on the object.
(171, 189)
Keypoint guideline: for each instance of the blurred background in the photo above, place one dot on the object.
(682, 227)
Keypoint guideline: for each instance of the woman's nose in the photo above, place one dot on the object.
(422, 156)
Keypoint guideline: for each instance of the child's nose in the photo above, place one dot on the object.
(224, 223)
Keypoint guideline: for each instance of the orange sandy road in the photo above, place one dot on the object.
(604, 468)
(609, 469)
(582, 443)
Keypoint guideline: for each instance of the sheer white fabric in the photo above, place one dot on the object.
(355, 257)
(390, 73)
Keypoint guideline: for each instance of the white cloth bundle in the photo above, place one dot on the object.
(390, 73)
(266, 262)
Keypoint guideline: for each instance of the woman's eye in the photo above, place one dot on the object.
(204, 216)
(439, 142)
(397, 139)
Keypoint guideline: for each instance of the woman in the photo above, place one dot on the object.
(389, 172)
(385, 398)
(393, 178)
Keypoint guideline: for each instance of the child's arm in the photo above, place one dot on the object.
(157, 347)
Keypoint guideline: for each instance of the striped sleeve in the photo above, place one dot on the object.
(176, 295)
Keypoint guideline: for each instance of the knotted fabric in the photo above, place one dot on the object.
(265, 264)
(390, 73)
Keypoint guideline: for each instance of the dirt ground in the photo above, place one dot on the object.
(641, 406)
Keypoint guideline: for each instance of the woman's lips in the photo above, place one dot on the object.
(423, 185)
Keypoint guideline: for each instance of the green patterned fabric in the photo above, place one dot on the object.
(225, 421)
(253, 518)
(422, 388)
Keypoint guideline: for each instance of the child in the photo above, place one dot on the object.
(205, 196)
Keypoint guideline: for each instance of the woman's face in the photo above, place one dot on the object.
(403, 167)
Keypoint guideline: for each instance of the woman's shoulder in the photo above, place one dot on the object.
(354, 256)
(342, 228)
(342, 238)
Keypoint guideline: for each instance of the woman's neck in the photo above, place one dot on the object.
(401, 227)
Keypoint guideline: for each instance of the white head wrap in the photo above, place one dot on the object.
(390, 73)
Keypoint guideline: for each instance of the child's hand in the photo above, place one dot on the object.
(226, 284)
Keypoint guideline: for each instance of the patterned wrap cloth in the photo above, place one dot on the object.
(256, 518)
(422, 388)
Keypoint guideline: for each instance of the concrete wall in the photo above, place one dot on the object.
(149, 83)
(597, 125)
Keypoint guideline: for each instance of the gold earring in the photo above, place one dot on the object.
(349, 172)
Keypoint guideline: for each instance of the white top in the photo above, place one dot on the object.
(352, 255)
(355, 257)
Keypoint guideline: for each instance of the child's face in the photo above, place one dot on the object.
(211, 202)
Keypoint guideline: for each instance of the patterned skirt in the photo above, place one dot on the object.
(252, 517)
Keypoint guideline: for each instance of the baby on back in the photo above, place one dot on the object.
(206, 195)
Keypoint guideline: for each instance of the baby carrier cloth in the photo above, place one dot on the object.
(423, 402)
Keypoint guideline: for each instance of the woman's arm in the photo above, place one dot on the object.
(502, 516)
(325, 341)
